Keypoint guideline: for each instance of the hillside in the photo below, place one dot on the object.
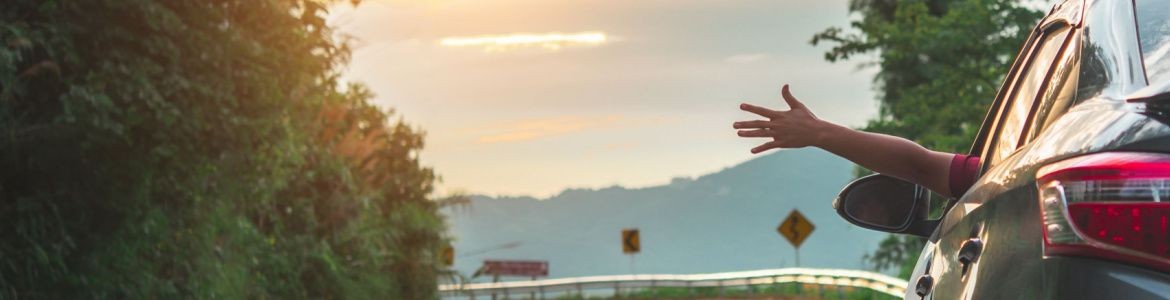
(724, 221)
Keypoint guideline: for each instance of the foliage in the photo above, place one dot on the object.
(941, 62)
(202, 149)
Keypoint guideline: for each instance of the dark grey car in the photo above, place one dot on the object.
(1074, 193)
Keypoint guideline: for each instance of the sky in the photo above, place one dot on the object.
(530, 97)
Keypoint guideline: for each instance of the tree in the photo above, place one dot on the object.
(940, 64)
(202, 149)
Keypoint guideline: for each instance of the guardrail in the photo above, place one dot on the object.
(830, 277)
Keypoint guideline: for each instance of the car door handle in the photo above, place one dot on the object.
(925, 283)
(969, 253)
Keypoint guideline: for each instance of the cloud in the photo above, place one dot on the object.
(746, 58)
(541, 128)
(621, 146)
(550, 41)
(558, 126)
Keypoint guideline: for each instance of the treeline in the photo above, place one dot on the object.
(201, 149)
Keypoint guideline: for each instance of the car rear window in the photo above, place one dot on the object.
(1153, 22)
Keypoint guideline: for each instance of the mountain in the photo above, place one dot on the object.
(724, 221)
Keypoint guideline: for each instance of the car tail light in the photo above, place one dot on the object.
(1109, 205)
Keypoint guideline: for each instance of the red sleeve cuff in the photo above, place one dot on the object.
(964, 171)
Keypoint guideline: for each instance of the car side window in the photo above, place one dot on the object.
(1023, 96)
(1153, 20)
(1060, 90)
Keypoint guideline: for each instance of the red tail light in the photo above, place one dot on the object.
(1110, 205)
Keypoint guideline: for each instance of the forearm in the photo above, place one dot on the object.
(888, 155)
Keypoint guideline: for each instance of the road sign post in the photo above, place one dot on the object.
(796, 228)
(631, 244)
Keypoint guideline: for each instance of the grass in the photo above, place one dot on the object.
(776, 291)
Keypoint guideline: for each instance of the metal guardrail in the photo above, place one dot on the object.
(832, 277)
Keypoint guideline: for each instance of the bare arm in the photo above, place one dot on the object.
(890, 155)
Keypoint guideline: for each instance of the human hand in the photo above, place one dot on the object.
(795, 128)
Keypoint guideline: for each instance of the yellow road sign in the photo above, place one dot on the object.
(795, 228)
(448, 255)
(630, 242)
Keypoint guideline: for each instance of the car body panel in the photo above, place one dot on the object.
(1081, 278)
(1007, 192)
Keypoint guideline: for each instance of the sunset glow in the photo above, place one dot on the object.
(531, 97)
(549, 41)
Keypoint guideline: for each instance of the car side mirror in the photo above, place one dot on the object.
(886, 203)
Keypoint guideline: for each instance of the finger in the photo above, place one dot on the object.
(755, 133)
(791, 100)
(765, 147)
(758, 110)
(751, 124)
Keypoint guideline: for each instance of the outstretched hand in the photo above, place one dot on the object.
(796, 127)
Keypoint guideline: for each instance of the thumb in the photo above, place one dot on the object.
(791, 100)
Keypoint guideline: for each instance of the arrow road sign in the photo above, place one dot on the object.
(526, 268)
(795, 228)
(448, 254)
(630, 242)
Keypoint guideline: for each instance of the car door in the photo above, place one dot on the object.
(956, 254)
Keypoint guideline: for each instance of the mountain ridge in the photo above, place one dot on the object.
(721, 221)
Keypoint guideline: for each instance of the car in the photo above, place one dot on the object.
(1073, 195)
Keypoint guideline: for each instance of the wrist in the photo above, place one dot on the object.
(824, 132)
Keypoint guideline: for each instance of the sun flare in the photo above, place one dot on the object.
(549, 41)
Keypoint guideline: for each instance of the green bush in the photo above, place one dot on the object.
(202, 149)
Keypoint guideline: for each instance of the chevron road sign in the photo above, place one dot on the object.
(795, 228)
(630, 242)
